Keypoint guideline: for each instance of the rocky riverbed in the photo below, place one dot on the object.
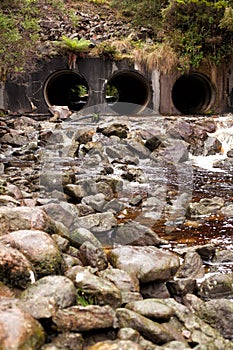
(112, 236)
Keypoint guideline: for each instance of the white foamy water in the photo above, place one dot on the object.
(224, 134)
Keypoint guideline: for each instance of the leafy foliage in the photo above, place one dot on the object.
(73, 45)
(145, 13)
(197, 30)
(20, 32)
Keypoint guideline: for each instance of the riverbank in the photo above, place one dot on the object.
(89, 216)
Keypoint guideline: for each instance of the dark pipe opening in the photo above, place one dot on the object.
(192, 93)
(66, 88)
(127, 92)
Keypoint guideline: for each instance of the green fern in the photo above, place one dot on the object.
(74, 45)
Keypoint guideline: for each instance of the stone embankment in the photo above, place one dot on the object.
(81, 264)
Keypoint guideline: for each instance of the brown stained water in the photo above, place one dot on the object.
(214, 228)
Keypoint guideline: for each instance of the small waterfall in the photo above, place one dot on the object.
(224, 134)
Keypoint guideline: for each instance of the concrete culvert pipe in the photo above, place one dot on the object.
(192, 93)
(127, 92)
(66, 88)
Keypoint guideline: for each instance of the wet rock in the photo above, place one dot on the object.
(114, 206)
(105, 189)
(53, 179)
(75, 191)
(181, 286)
(84, 209)
(93, 256)
(115, 183)
(15, 268)
(154, 290)
(205, 206)
(211, 146)
(102, 290)
(84, 318)
(132, 233)
(176, 151)
(158, 265)
(82, 235)
(116, 345)
(218, 313)
(147, 328)
(61, 242)
(223, 256)
(120, 153)
(175, 344)
(134, 174)
(230, 153)
(24, 218)
(38, 247)
(154, 309)
(66, 340)
(18, 329)
(227, 210)
(5, 291)
(206, 251)
(119, 130)
(138, 149)
(8, 200)
(196, 330)
(128, 334)
(122, 280)
(192, 267)
(63, 212)
(216, 286)
(100, 222)
(70, 261)
(14, 138)
(152, 143)
(43, 298)
(97, 201)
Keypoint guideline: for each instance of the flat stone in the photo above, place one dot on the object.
(84, 318)
(152, 308)
(147, 328)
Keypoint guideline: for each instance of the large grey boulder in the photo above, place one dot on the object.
(146, 263)
(133, 233)
(45, 296)
(24, 218)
